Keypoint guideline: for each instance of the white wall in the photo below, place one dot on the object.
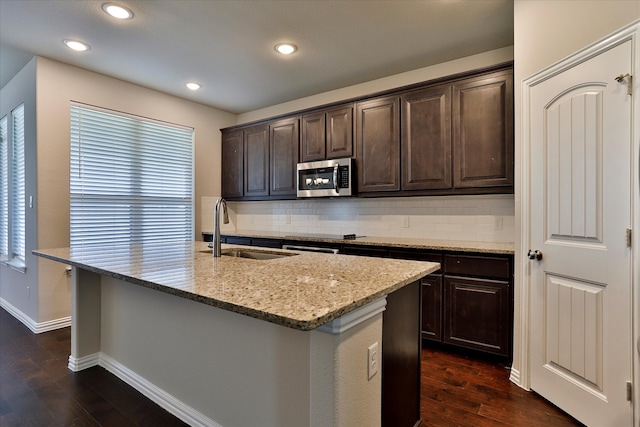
(23, 302)
(397, 80)
(55, 86)
(486, 218)
(544, 33)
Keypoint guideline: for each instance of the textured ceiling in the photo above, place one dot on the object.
(227, 46)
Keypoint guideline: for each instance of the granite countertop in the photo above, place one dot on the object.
(303, 291)
(507, 248)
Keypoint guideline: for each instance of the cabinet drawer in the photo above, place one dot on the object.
(365, 251)
(238, 240)
(477, 266)
(416, 255)
(267, 243)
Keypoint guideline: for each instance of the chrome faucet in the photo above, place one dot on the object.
(217, 251)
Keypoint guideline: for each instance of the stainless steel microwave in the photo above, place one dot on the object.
(326, 178)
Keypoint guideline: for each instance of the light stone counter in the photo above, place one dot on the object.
(506, 248)
(302, 292)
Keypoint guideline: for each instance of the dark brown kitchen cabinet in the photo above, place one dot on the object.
(232, 164)
(483, 131)
(378, 144)
(339, 132)
(430, 292)
(312, 144)
(452, 135)
(426, 139)
(327, 134)
(256, 161)
(477, 314)
(431, 303)
(478, 302)
(284, 143)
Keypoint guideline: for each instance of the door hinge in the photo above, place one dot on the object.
(629, 237)
(629, 391)
(629, 78)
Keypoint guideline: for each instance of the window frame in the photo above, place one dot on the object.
(13, 180)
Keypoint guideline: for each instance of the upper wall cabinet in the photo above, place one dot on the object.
(456, 138)
(483, 131)
(327, 134)
(284, 141)
(232, 164)
(450, 136)
(259, 162)
(378, 144)
(256, 161)
(426, 139)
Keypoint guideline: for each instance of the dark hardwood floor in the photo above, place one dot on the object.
(37, 389)
(457, 390)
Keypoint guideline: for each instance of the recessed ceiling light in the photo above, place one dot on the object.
(76, 45)
(193, 85)
(286, 48)
(117, 11)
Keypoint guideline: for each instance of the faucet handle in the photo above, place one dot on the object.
(225, 214)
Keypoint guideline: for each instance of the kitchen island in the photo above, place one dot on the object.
(236, 341)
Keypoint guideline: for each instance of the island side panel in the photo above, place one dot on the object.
(228, 369)
(401, 358)
(85, 319)
(340, 382)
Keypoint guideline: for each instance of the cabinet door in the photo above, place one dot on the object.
(476, 314)
(284, 157)
(339, 132)
(426, 139)
(378, 145)
(256, 161)
(483, 131)
(431, 307)
(232, 164)
(313, 137)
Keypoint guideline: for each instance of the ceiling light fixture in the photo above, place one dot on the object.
(117, 11)
(193, 85)
(286, 48)
(76, 45)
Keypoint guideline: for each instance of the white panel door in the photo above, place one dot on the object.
(580, 208)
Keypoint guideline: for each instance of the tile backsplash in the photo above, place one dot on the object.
(489, 218)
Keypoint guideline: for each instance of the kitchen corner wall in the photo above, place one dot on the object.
(471, 218)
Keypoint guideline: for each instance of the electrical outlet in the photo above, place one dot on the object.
(405, 222)
(287, 219)
(372, 359)
(497, 223)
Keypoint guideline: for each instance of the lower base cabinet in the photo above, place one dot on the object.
(468, 303)
(431, 311)
(477, 314)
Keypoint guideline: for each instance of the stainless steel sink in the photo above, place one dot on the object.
(253, 254)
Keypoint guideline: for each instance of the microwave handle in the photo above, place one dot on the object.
(336, 187)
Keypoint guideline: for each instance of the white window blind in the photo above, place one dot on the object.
(18, 176)
(131, 179)
(4, 188)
